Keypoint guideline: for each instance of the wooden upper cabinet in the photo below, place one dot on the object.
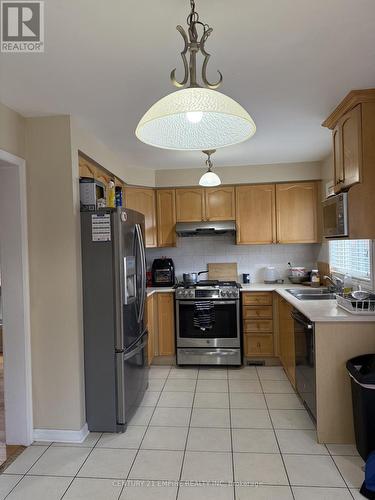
(255, 209)
(347, 150)
(166, 217)
(86, 168)
(351, 143)
(297, 212)
(338, 170)
(220, 203)
(190, 206)
(143, 200)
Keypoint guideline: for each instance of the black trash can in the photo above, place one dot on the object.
(362, 374)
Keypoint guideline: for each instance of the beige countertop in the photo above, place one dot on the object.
(316, 310)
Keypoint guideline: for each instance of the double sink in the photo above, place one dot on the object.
(312, 294)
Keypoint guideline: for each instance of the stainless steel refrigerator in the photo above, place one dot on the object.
(114, 298)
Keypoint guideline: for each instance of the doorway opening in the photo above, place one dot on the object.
(16, 427)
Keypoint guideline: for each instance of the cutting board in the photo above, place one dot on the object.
(324, 270)
(225, 272)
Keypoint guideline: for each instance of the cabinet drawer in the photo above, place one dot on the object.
(258, 326)
(251, 312)
(257, 299)
(258, 345)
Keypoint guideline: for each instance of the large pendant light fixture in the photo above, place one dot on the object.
(209, 179)
(196, 117)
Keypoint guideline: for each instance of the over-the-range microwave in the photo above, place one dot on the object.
(335, 216)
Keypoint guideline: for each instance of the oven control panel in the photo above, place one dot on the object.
(210, 294)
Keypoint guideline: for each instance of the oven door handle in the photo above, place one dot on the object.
(218, 302)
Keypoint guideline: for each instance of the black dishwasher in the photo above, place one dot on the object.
(304, 340)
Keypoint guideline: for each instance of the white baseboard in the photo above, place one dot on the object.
(61, 436)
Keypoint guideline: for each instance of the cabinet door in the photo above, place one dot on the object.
(150, 314)
(351, 140)
(258, 345)
(297, 212)
(166, 217)
(190, 205)
(143, 200)
(166, 324)
(255, 209)
(338, 170)
(86, 169)
(220, 203)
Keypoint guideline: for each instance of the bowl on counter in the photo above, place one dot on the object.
(297, 280)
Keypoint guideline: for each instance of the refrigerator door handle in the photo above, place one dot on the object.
(143, 271)
(120, 372)
(135, 351)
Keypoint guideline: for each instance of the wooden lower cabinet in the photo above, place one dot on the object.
(286, 339)
(166, 324)
(257, 314)
(258, 345)
(151, 318)
(257, 298)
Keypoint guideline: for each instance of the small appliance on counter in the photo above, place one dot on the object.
(163, 272)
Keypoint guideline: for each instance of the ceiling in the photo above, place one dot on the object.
(288, 62)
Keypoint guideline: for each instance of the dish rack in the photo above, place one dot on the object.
(366, 306)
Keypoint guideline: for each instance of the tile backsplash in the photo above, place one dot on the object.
(193, 255)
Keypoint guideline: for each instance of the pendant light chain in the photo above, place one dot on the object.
(208, 162)
(194, 45)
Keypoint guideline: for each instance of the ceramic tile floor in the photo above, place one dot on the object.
(212, 434)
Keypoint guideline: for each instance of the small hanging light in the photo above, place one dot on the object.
(196, 117)
(209, 179)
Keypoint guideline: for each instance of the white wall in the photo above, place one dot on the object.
(56, 312)
(280, 172)
(12, 131)
(84, 141)
(193, 254)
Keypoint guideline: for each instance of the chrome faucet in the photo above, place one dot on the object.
(337, 284)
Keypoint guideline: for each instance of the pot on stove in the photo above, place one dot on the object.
(192, 278)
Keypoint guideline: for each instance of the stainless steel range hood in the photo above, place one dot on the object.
(205, 228)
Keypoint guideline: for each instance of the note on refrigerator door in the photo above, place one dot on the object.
(101, 227)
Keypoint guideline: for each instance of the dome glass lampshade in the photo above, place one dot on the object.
(209, 179)
(195, 118)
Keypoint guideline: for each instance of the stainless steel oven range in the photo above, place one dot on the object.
(208, 323)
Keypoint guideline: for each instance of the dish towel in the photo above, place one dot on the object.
(204, 314)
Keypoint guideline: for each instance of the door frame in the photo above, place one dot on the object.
(16, 296)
